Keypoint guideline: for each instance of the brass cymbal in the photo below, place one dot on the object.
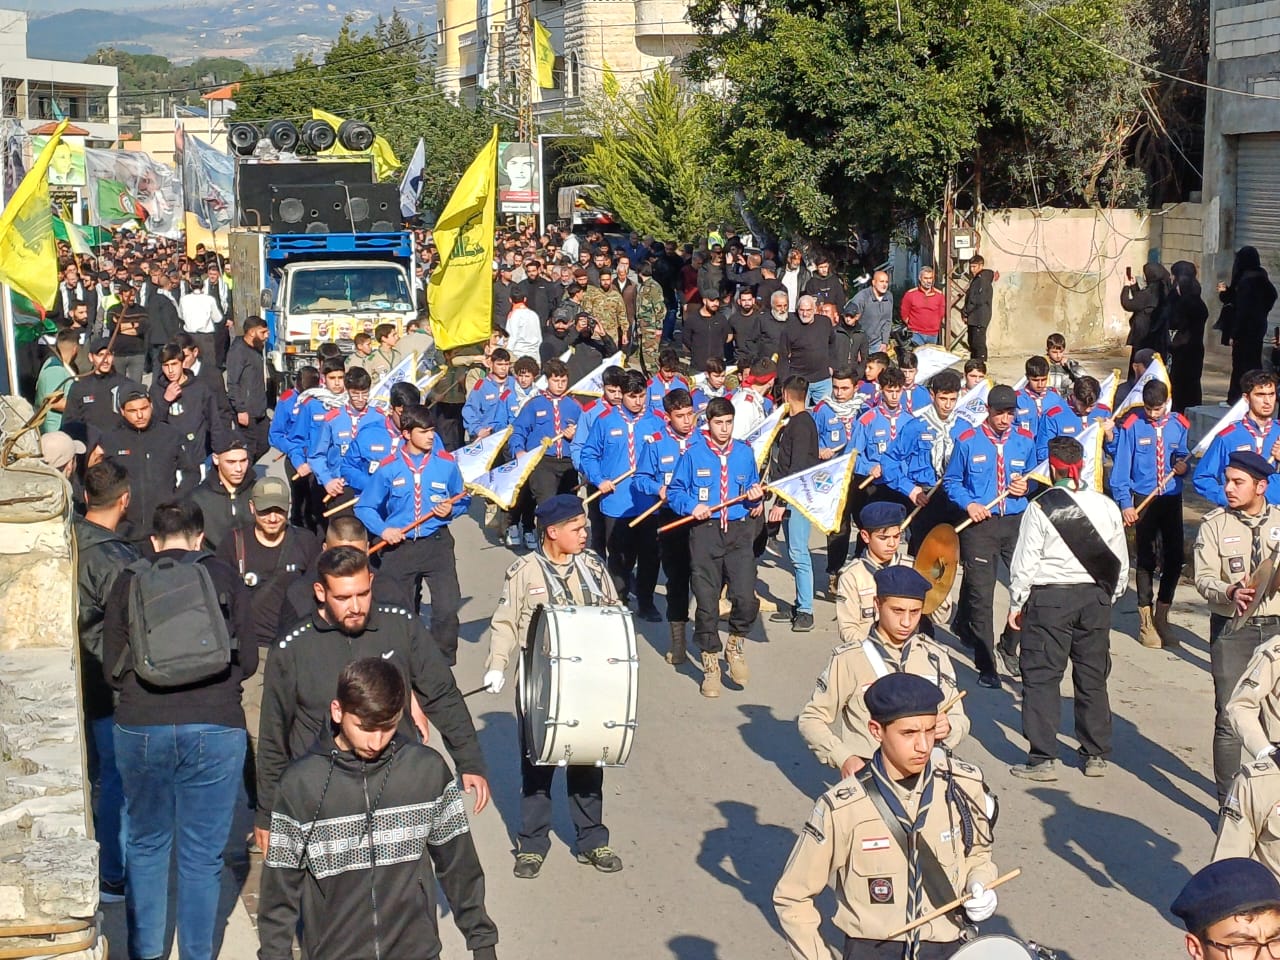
(937, 561)
(1265, 581)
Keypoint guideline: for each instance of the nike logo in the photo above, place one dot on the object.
(388, 655)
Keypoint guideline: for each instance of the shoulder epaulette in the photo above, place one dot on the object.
(479, 384)
(1183, 420)
(844, 793)
(1129, 420)
(867, 417)
(387, 459)
(1053, 411)
(444, 455)
(846, 647)
(589, 406)
(818, 406)
(331, 413)
(967, 434)
(294, 634)
(959, 768)
(1229, 428)
(1215, 512)
(1260, 768)
(1026, 433)
(654, 437)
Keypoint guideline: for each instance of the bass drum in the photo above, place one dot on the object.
(578, 687)
(999, 947)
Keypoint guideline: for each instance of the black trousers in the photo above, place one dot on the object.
(585, 786)
(982, 546)
(937, 511)
(674, 550)
(855, 948)
(718, 558)
(301, 508)
(430, 558)
(255, 435)
(1163, 520)
(630, 548)
(1065, 623)
(1246, 355)
(1228, 658)
(315, 502)
(449, 424)
(838, 542)
(551, 476)
(977, 337)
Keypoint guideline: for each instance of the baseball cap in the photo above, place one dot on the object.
(58, 449)
(98, 344)
(1002, 397)
(270, 493)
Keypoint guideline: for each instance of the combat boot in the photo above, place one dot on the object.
(677, 655)
(1165, 632)
(736, 658)
(1147, 635)
(710, 674)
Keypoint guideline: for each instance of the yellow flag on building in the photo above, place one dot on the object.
(384, 158)
(544, 55)
(28, 251)
(460, 293)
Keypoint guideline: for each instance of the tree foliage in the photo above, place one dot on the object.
(152, 81)
(387, 79)
(651, 152)
(844, 119)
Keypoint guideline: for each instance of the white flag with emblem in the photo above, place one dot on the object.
(411, 182)
(502, 484)
(931, 360)
(1134, 398)
(592, 385)
(406, 369)
(1235, 414)
(762, 436)
(820, 491)
(475, 459)
(1090, 470)
(972, 405)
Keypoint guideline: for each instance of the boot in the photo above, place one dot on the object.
(1147, 635)
(677, 655)
(1165, 631)
(710, 675)
(736, 657)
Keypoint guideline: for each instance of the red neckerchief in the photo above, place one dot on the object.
(555, 418)
(892, 418)
(417, 479)
(1158, 426)
(998, 443)
(1259, 437)
(682, 443)
(723, 456)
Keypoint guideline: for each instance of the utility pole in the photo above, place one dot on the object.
(526, 75)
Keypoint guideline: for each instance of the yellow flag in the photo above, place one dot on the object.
(28, 251)
(460, 293)
(610, 82)
(544, 55)
(384, 158)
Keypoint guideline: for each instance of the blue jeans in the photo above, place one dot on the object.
(818, 390)
(801, 561)
(921, 338)
(109, 822)
(180, 783)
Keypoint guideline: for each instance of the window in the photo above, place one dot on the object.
(9, 97)
(572, 81)
(557, 74)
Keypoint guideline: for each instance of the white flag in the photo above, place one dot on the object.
(411, 183)
(972, 405)
(762, 436)
(1235, 414)
(380, 395)
(819, 492)
(1154, 372)
(502, 485)
(1091, 470)
(1107, 390)
(931, 360)
(429, 380)
(592, 385)
(541, 382)
(475, 459)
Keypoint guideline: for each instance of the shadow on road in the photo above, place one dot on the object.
(693, 948)
(777, 740)
(746, 855)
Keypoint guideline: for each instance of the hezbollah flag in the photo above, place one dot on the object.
(460, 292)
(384, 158)
(28, 251)
(544, 55)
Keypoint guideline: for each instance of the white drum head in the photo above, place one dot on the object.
(994, 947)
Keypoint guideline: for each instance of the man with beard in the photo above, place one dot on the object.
(247, 385)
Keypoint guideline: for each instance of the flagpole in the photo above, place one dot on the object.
(10, 337)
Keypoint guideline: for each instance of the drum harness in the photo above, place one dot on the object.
(559, 585)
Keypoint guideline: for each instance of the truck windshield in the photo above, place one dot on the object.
(349, 289)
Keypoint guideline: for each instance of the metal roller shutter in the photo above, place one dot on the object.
(1258, 191)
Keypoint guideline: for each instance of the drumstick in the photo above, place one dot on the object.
(340, 507)
(912, 515)
(615, 481)
(867, 482)
(472, 693)
(277, 458)
(947, 908)
(690, 519)
(1156, 492)
(647, 514)
(953, 701)
(382, 544)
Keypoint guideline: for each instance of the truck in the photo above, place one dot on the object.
(317, 287)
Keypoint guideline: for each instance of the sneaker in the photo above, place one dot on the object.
(1095, 767)
(602, 858)
(1010, 663)
(513, 536)
(782, 616)
(111, 891)
(528, 865)
(648, 612)
(1044, 771)
(531, 540)
(803, 623)
(989, 680)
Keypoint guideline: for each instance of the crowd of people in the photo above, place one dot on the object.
(230, 615)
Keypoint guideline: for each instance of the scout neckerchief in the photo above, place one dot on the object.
(913, 829)
(393, 431)
(998, 443)
(1257, 431)
(1162, 462)
(877, 655)
(555, 419)
(943, 444)
(723, 456)
(893, 417)
(561, 592)
(1255, 527)
(629, 420)
(417, 481)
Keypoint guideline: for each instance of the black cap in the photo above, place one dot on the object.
(899, 581)
(1222, 889)
(98, 344)
(1251, 463)
(132, 391)
(1001, 398)
(230, 441)
(899, 695)
(711, 293)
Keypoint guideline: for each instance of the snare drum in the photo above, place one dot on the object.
(577, 687)
(997, 947)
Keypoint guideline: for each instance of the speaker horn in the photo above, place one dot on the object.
(283, 135)
(243, 138)
(318, 135)
(355, 135)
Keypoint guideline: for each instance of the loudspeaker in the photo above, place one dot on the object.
(333, 208)
(254, 182)
(355, 135)
(318, 135)
(283, 135)
(243, 137)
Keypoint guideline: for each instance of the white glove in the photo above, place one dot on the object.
(981, 903)
(494, 681)
(1265, 753)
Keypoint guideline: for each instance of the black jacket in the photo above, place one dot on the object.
(267, 588)
(501, 301)
(101, 555)
(804, 349)
(163, 322)
(153, 458)
(770, 333)
(704, 336)
(797, 445)
(825, 288)
(849, 349)
(93, 400)
(215, 701)
(300, 597)
(223, 509)
(541, 295)
(1148, 321)
(302, 675)
(1251, 296)
(246, 380)
(977, 299)
(589, 353)
(360, 901)
(746, 336)
(195, 415)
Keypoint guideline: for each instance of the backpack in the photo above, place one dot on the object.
(177, 632)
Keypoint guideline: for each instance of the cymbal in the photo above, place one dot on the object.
(1265, 581)
(937, 561)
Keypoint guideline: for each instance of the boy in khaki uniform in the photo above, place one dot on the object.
(893, 645)
(1254, 707)
(1250, 821)
(880, 529)
(860, 832)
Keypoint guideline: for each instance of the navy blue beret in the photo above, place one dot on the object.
(558, 509)
(898, 695)
(1253, 464)
(881, 514)
(1222, 889)
(896, 580)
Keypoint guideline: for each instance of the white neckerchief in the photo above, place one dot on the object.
(944, 443)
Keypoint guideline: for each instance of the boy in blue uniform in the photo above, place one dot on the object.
(988, 462)
(720, 551)
(282, 423)
(412, 483)
(336, 431)
(658, 461)
(488, 406)
(713, 386)
(667, 379)
(613, 449)
(836, 416)
(379, 436)
(1036, 397)
(917, 458)
(592, 410)
(1257, 430)
(1074, 417)
(915, 396)
(1151, 457)
(552, 413)
(877, 428)
(305, 432)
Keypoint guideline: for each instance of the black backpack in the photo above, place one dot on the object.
(178, 634)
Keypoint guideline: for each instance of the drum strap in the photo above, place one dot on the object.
(559, 585)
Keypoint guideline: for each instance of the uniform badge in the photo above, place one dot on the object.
(823, 482)
(250, 579)
(880, 889)
(875, 843)
(1274, 535)
(1235, 564)
(704, 494)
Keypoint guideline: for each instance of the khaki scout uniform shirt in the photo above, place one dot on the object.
(526, 589)
(1254, 707)
(846, 841)
(856, 608)
(854, 666)
(1250, 825)
(1224, 547)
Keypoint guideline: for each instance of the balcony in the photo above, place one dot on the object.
(663, 29)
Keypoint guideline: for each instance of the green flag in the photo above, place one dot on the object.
(115, 202)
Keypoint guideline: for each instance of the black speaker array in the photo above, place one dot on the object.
(255, 180)
(335, 208)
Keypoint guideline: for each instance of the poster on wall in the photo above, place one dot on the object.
(66, 169)
(518, 180)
